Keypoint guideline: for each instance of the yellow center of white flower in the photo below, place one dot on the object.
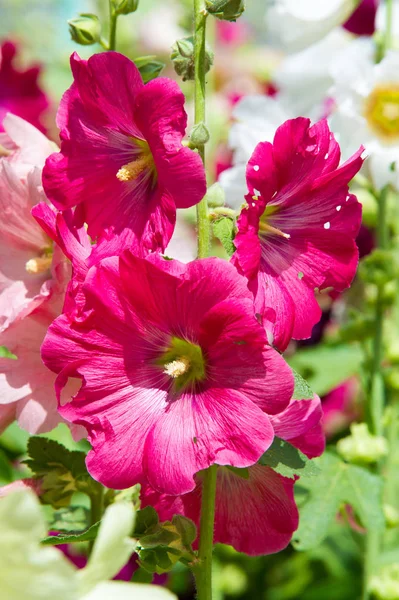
(144, 161)
(178, 367)
(382, 111)
(38, 265)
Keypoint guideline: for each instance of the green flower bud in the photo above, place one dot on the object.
(183, 58)
(361, 446)
(199, 135)
(385, 585)
(125, 7)
(215, 195)
(226, 10)
(391, 516)
(85, 29)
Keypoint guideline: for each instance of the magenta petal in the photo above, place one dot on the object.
(300, 424)
(219, 426)
(160, 114)
(362, 21)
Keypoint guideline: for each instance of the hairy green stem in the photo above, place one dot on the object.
(203, 571)
(113, 18)
(200, 15)
(96, 509)
(376, 387)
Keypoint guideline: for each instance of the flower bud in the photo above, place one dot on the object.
(226, 10)
(199, 135)
(385, 585)
(85, 29)
(361, 446)
(391, 516)
(183, 58)
(215, 195)
(125, 7)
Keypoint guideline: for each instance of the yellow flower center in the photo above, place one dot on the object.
(264, 226)
(39, 264)
(382, 111)
(144, 161)
(184, 362)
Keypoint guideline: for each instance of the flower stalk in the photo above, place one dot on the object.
(113, 19)
(200, 16)
(203, 571)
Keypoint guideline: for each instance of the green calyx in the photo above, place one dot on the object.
(184, 362)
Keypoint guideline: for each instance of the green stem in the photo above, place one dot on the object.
(200, 15)
(96, 509)
(376, 388)
(387, 43)
(203, 571)
(113, 18)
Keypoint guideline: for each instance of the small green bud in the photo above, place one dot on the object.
(359, 327)
(226, 10)
(361, 446)
(199, 135)
(391, 516)
(392, 378)
(183, 58)
(149, 67)
(379, 267)
(215, 195)
(385, 585)
(125, 7)
(85, 29)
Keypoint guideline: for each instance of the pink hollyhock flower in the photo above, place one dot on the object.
(298, 229)
(121, 155)
(362, 21)
(26, 271)
(20, 92)
(339, 407)
(176, 371)
(26, 386)
(255, 507)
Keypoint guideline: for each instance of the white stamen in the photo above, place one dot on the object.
(338, 208)
(177, 367)
(256, 167)
(327, 225)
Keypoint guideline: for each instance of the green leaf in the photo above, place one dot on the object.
(287, 460)
(326, 367)
(4, 353)
(224, 230)
(338, 483)
(69, 538)
(6, 470)
(146, 519)
(149, 67)
(62, 472)
(142, 576)
(72, 519)
(186, 529)
(302, 390)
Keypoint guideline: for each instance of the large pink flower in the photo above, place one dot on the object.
(26, 272)
(176, 371)
(297, 231)
(255, 507)
(20, 92)
(121, 155)
(26, 386)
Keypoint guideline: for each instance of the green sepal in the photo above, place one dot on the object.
(288, 461)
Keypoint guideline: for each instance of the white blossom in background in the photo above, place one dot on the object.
(296, 24)
(367, 108)
(30, 571)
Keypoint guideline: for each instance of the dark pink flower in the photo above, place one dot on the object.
(121, 155)
(297, 232)
(362, 21)
(255, 507)
(20, 92)
(176, 371)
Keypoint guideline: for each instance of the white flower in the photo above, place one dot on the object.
(367, 108)
(30, 571)
(296, 24)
